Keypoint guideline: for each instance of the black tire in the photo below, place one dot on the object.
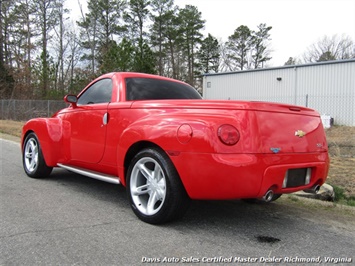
(32, 158)
(154, 188)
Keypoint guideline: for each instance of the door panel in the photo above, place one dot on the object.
(87, 133)
(87, 123)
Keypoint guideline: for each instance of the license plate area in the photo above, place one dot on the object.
(297, 177)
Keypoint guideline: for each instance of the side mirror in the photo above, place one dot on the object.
(71, 99)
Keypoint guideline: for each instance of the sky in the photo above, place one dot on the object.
(296, 24)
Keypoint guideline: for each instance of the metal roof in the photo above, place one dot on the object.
(282, 67)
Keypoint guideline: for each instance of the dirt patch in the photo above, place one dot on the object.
(13, 128)
(342, 174)
(325, 212)
(341, 142)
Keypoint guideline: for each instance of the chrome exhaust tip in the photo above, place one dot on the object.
(268, 196)
(314, 190)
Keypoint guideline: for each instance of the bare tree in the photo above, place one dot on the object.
(6, 80)
(73, 57)
(330, 48)
(226, 63)
(61, 44)
(47, 15)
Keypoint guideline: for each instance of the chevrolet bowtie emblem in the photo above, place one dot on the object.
(300, 133)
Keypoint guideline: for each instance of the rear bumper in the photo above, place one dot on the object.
(237, 176)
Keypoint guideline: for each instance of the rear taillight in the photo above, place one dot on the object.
(228, 134)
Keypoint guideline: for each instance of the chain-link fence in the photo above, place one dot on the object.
(22, 110)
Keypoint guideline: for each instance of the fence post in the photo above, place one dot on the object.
(14, 110)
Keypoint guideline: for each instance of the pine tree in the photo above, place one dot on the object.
(163, 13)
(99, 26)
(259, 43)
(172, 45)
(125, 60)
(239, 46)
(290, 61)
(209, 55)
(191, 26)
(135, 18)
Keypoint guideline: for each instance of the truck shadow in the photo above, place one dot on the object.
(264, 223)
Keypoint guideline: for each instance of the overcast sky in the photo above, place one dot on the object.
(297, 24)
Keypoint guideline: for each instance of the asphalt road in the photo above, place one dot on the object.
(68, 219)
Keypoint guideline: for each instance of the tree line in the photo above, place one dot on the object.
(43, 54)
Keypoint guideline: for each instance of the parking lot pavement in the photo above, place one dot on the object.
(69, 219)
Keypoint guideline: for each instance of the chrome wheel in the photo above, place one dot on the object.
(148, 186)
(31, 155)
(154, 188)
(32, 158)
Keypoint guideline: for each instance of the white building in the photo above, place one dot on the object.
(328, 87)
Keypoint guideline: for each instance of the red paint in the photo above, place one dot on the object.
(184, 133)
(187, 130)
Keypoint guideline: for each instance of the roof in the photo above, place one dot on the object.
(283, 67)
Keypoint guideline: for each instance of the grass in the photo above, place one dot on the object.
(12, 128)
(341, 197)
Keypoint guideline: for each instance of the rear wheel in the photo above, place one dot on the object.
(154, 188)
(32, 158)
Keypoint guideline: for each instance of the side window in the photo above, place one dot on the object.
(99, 92)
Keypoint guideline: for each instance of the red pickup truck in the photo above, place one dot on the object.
(160, 139)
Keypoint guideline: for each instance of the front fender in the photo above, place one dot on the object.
(49, 133)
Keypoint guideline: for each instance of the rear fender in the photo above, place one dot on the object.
(163, 132)
(145, 133)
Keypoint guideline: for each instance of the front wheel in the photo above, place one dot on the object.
(32, 158)
(154, 188)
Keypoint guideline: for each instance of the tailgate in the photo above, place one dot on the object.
(290, 131)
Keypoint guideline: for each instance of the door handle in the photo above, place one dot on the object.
(105, 119)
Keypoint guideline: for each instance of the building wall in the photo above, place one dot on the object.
(328, 87)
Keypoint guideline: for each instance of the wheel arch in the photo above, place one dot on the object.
(33, 160)
(24, 136)
(173, 204)
(49, 134)
(133, 150)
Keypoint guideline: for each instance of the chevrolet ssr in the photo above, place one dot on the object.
(157, 137)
